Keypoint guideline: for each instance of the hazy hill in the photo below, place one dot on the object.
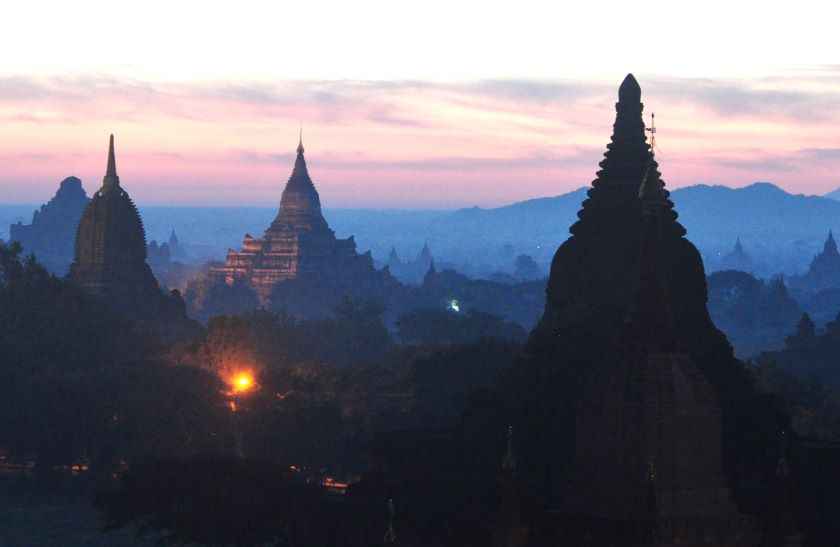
(782, 231)
(834, 194)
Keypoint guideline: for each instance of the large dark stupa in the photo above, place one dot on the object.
(591, 281)
(648, 437)
(589, 297)
(110, 260)
(111, 241)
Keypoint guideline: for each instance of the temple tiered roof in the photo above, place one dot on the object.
(300, 205)
(298, 243)
(612, 203)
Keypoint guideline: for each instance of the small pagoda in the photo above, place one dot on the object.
(824, 271)
(298, 243)
(738, 259)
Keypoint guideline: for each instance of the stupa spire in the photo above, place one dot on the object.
(300, 174)
(629, 92)
(830, 245)
(611, 206)
(300, 205)
(111, 177)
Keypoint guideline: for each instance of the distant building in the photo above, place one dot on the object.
(53, 230)
(176, 251)
(411, 271)
(298, 243)
(738, 259)
(824, 271)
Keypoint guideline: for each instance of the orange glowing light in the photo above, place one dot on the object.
(243, 382)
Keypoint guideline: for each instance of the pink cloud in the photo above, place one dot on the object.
(402, 143)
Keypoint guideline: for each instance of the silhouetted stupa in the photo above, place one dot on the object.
(110, 260)
(589, 297)
(111, 241)
(648, 431)
(53, 230)
(591, 281)
(298, 242)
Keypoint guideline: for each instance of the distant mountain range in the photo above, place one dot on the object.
(781, 231)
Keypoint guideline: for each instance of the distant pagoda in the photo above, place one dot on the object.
(298, 243)
(110, 261)
(52, 232)
(738, 259)
(824, 272)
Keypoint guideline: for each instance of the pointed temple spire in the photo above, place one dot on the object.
(110, 252)
(610, 206)
(300, 205)
(299, 172)
(830, 245)
(111, 178)
(629, 92)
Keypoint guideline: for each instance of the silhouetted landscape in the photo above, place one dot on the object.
(617, 365)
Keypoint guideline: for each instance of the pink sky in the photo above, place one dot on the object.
(406, 143)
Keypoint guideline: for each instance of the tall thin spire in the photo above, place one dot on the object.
(610, 206)
(300, 141)
(111, 177)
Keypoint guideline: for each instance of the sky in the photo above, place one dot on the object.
(419, 105)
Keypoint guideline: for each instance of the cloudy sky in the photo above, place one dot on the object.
(422, 104)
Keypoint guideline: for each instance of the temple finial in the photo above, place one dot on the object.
(111, 171)
(629, 90)
(300, 141)
(111, 178)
